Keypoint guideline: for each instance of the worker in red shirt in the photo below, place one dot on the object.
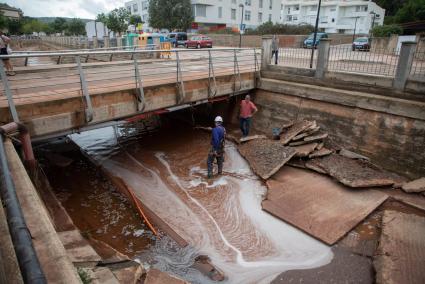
(248, 109)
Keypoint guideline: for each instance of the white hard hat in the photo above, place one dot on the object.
(218, 119)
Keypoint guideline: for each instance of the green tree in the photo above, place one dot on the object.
(386, 30)
(75, 27)
(135, 19)
(412, 11)
(391, 6)
(117, 20)
(32, 25)
(3, 21)
(59, 25)
(14, 26)
(170, 14)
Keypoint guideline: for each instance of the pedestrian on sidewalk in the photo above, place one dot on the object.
(248, 109)
(217, 147)
(275, 48)
(4, 42)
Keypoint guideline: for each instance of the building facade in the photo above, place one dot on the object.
(10, 12)
(220, 14)
(336, 16)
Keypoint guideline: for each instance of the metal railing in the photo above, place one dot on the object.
(82, 79)
(296, 57)
(379, 62)
(418, 65)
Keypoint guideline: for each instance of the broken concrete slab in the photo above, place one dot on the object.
(305, 150)
(297, 163)
(353, 173)
(345, 267)
(317, 204)
(203, 264)
(413, 200)
(252, 137)
(401, 252)
(320, 153)
(417, 185)
(320, 146)
(155, 276)
(352, 155)
(307, 132)
(79, 251)
(294, 130)
(265, 157)
(316, 137)
(131, 275)
(298, 143)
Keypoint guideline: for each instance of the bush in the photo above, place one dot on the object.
(386, 30)
(270, 28)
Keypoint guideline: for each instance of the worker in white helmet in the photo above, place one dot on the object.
(217, 146)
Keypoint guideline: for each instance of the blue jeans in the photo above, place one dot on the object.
(244, 124)
(275, 53)
(219, 156)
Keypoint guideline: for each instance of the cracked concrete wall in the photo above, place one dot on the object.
(392, 141)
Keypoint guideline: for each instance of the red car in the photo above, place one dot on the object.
(199, 41)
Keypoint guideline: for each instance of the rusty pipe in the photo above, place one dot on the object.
(24, 137)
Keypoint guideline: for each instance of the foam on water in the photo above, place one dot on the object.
(246, 243)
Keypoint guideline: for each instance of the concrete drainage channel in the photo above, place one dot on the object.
(312, 206)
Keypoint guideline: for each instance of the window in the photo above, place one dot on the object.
(260, 4)
(294, 18)
(361, 8)
(313, 8)
(289, 18)
(270, 4)
(135, 8)
(144, 5)
(333, 9)
(201, 10)
(333, 20)
(129, 8)
(270, 17)
(260, 17)
(247, 15)
(289, 11)
(297, 7)
(248, 2)
(220, 12)
(233, 14)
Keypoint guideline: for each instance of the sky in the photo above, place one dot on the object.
(86, 9)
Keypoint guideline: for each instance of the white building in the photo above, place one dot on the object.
(336, 16)
(219, 14)
(97, 28)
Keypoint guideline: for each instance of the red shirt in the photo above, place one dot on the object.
(247, 108)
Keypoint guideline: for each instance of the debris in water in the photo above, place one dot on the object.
(203, 264)
(266, 156)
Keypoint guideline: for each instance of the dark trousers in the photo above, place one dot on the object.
(275, 53)
(219, 156)
(244, 124)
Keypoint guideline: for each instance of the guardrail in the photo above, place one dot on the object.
(84, 79)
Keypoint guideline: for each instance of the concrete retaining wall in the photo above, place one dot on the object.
(390, 131)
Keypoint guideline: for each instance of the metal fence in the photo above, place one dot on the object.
(296, 57)
(418, 66)
(84, 79)
(379, 62)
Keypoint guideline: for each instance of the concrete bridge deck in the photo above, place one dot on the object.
(52, 99)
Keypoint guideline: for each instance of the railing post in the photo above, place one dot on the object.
(106, 42)
(181, 94)
(139, 87)
(404, 65)
(84, 89)
(266, 53)
(95, 42)
(322, 58)
(236, 71)
(211, 74)
(8, 93)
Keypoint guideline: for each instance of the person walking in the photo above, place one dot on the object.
(217, 147)
(4, 41)
(248, 109)
(275, 48)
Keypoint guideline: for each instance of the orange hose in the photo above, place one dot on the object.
(130, 190)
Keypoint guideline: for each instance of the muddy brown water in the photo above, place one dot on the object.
(221, 218)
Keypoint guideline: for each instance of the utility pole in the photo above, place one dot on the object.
(315, 34)
(355, 26)
(240, 28)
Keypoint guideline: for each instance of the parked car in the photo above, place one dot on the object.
(308, 42)
(199, 41)
(361, 43)
(177, 39)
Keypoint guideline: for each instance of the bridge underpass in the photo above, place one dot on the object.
(57, 99)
